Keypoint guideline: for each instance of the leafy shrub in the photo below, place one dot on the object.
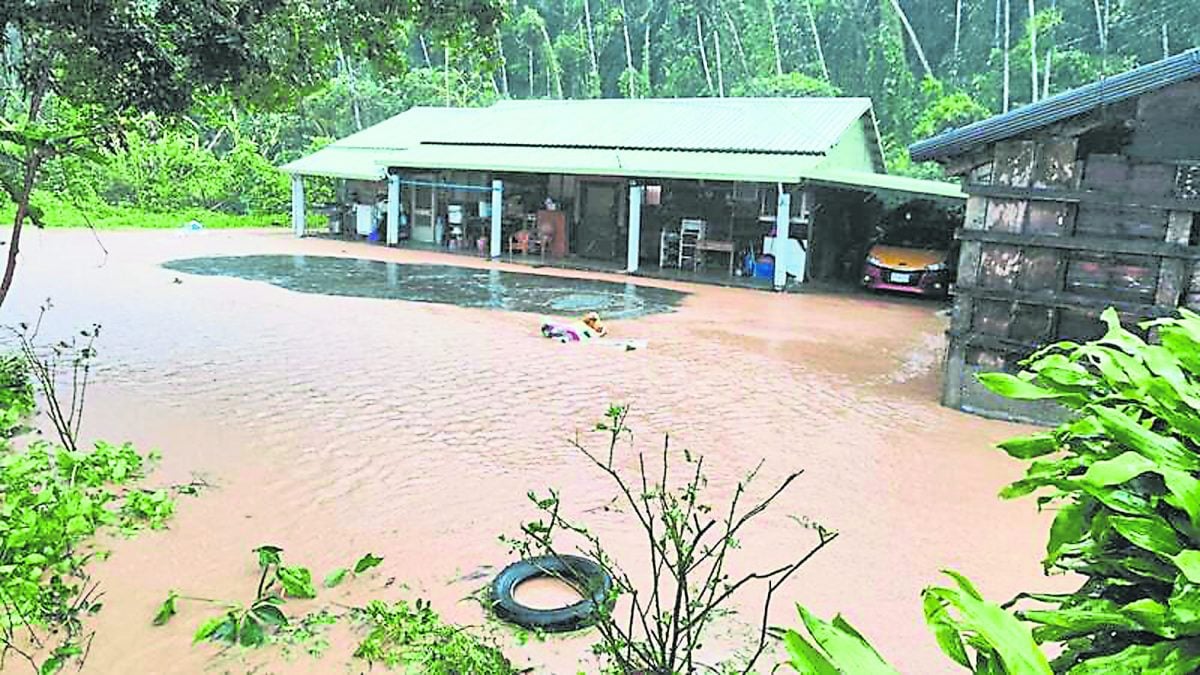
(16, 394)
(1124, 476)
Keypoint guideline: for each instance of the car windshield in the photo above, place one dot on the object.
(916, 237)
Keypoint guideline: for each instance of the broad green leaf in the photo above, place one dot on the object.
(269, 614)
(805, 658)
(1188, 562)
(297, 582)
(209, 627)
(250, 631)
(366, 562)
(1029, 447)
(1119, 469)
(1010, 386)
(1150, 534)
(1069, 526)
(336, 577)
(1162, 449)
(944, 631)
(847, 651)
(268, 555)
(1180, 657)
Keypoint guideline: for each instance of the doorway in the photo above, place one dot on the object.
(596, 236)
(424, 208)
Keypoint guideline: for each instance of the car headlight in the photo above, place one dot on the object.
(936, 267)
(872, 260)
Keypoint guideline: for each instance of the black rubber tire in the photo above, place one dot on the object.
(594, 583)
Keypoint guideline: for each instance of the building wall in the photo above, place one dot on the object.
(1094, 212)
(853, 150)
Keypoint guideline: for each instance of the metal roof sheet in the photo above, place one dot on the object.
(776, 125)
(883, 181)
(1107, 91)
(722, 166)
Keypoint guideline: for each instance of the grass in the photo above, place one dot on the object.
(58, 213)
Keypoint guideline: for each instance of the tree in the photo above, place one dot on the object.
(85, 75)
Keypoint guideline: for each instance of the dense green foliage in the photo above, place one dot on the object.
(52, 501)
(1124, 476)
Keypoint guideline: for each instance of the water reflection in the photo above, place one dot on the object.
(443, 284)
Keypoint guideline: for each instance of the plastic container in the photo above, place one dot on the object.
(764, 267)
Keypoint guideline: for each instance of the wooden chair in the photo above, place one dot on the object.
(527, 243)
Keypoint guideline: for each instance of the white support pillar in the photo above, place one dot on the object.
(393, 210)
(298, 204)
(497, 213)
(633, 251)
(783, 217)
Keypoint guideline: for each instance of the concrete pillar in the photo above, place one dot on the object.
(393, 210)
(635, 228)
(497, 213)
(783, 217)
(298, 204)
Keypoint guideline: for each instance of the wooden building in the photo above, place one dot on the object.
(1076, 203)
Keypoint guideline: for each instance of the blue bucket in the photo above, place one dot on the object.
(764, 267)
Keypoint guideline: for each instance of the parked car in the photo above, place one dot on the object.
(911, 258)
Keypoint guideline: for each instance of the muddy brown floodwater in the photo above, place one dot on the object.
(333, 426)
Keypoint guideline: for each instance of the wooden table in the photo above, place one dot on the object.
(707, 245)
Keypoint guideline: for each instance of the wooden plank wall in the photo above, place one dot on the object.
(1049, 241)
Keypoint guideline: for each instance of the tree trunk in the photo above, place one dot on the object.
(720, 69)
(775, 37)
(553, 62)
(1007, 43)
(532, 94)
(33, 163)
(1166, 42)
(737, 42)
(957, 32)
(587, 20)
(1033, 66)
(912, 35)
(703, 54)
(1101, 29)
(425, 52)
(996, 33)
(628, 46)
(646, 58)
(812, 24)
(1046, 80)
(503, 65)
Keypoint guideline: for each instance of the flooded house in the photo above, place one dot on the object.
(740, 190)
(1079, 202)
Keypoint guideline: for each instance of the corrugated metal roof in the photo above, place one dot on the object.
(883, 181)
(775, 125)
(1108, 91)
(335, 162)
(722, 166)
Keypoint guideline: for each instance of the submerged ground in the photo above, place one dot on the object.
(335, 425)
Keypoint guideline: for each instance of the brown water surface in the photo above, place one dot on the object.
(546, 593)
(334, 426)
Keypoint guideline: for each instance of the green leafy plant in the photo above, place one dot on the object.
(1124, 475)
(414, 637)
(16, 395)
(53, 498)
(963, 622)
(250, 625)
(690, 545)
(363, 564)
